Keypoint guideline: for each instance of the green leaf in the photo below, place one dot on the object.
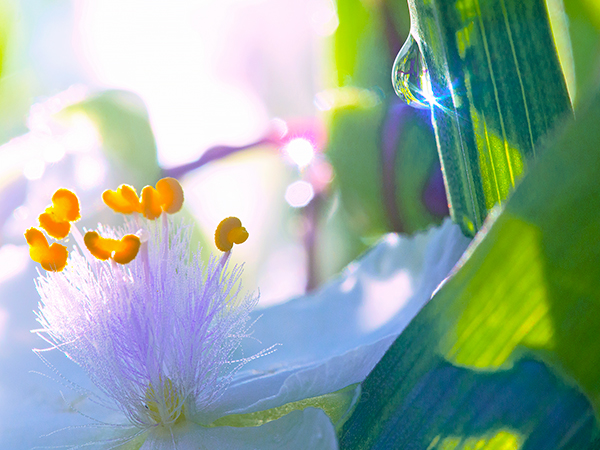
(529, 290)
(127, 138)
(498, 90)
(506, 409)
(335, 405)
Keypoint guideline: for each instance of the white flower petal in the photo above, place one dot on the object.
(327, 343)
(375, 297)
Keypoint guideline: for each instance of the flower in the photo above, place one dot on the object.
(290, 399)
(153, 328)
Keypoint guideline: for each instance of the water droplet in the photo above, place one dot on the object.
(410, 77)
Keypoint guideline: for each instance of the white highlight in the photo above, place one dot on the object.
(300, 151)
(40, 114)
(82, 134)
(299, 194)
(90, 171)
(325, 20)
(53, 151)
(348, 284)
(34, 169)
(279, 127)
(427, 91)
(162, 51)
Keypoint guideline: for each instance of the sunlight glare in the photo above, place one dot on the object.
(34, 169)
(300, 151)
(160, 52)
(325, 19)
(82, 134)
(428, 90)
(90, 171)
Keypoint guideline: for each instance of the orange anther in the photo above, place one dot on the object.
(167, 196)
(127, 249)
(65, 206)
(151, 202)
(36, 239)
(58, 230)
(230, 231)
(64, 209)
(122, 251)
(124, 200)
(171, 194)
(52, 258)
(98, 246)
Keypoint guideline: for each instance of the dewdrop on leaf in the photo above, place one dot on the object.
(152, 326)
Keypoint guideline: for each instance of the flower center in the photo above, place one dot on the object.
(166, 406)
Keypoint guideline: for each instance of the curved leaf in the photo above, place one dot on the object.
(498, 90)
(529, 289)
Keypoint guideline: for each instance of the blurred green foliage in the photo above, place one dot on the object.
(383, 152)
(127, 138)
(14, 83)
(6, 18)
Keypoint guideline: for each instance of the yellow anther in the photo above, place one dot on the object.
(57, 217)
(237, 235)
(151, 203)
(171, 194)
(124, 200)
(230, 231)
(121, 251)
(51, 257)
(167, 408)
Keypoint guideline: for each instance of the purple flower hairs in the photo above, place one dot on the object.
(153, 327)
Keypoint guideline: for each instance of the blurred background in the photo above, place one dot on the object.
(280, 112)
(268, 110)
